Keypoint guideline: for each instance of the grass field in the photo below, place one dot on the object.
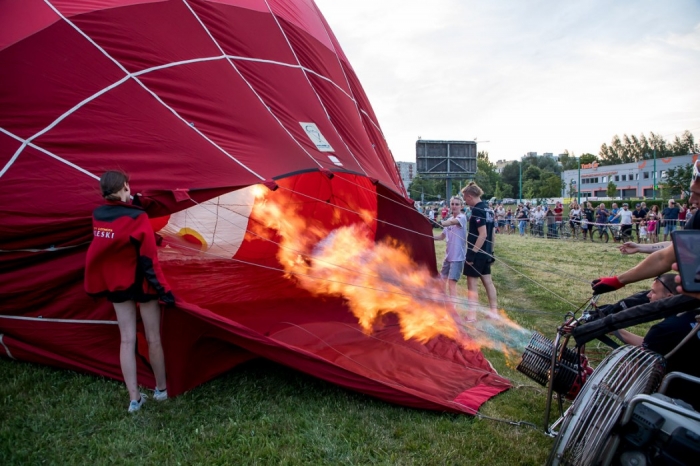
(263, 413)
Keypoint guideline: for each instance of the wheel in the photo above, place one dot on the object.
(600, 235)
(565, 231)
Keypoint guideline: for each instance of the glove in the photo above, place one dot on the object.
(167, 299)
(606, 285)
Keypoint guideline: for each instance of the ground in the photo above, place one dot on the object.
(262, 413)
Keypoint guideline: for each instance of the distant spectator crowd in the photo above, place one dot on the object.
(649, 225)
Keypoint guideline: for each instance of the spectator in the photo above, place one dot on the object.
(625, 222)
(689, 217)
(587, 220)
(558, 216)
(653, 224)
(643, 231)
(601, 218)
(682, 214)
(538, 218)
(500, 217)
(574, 217)
(551, 224)
(479, 249)
(521, 218)
(638, 214)
(455, 234)
(670, 217)
(509, 221)
(444, 212)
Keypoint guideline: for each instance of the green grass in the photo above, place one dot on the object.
(263, 413)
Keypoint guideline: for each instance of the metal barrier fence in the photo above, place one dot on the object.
(576, 229)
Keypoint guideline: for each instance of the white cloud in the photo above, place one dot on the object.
(528, 76)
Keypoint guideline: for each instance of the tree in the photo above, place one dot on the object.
(568, 161)
(587, 158)
(550, 186)
(532, 173)
(486, 176)
(498, 192)
(634, 149)
(677, 180)
(507, 190)
(431, 189)
(529, 189)
(612, 189)
(510, 175)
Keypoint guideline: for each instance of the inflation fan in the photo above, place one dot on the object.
(620, 413)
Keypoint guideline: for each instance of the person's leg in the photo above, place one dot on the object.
(472, 296)
(150, 314)
(490, 292)
(452, 290)
(126, 317)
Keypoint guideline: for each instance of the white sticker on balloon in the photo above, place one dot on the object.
(316, 137)
(335, 160)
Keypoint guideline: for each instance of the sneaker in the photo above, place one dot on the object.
(160, 395)
(135, 405)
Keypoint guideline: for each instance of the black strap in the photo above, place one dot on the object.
(608, 341)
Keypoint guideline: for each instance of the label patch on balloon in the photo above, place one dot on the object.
(316, 137)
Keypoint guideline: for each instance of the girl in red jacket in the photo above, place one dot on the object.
(122, 265)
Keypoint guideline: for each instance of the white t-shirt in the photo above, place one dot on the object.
(456, 237)
(625, 217)
(575, 213)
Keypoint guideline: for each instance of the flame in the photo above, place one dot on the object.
(375, 279)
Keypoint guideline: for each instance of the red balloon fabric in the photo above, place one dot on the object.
(199, 101)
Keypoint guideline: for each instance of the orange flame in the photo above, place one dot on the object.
(374, 278)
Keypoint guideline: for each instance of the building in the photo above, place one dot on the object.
(407, 171)
(501, 164)
(633, 180)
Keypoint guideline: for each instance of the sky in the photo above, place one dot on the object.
(523, 76)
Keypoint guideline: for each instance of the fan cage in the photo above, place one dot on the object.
(536, 363)
(587, 437)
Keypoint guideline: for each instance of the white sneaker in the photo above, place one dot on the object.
(135, 405)
(160, 395)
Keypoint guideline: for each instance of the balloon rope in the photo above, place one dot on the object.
(362, 273)
(430, 236)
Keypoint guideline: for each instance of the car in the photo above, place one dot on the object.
(508, 200)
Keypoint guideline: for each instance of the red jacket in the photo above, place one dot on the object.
(123, 253)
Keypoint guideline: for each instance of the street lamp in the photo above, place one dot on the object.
(653, 188)
(578, 186)
(520, 199)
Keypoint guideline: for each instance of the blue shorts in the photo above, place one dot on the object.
(669, 227)
(452, 270)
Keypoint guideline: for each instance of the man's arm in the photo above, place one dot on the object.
(480, 240)
(633, 248)
(629, 338)
(449, 221)
(652, 266)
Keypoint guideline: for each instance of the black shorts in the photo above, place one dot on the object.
(480, 266)
(134, 293)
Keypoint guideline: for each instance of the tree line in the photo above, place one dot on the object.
(541, 176)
